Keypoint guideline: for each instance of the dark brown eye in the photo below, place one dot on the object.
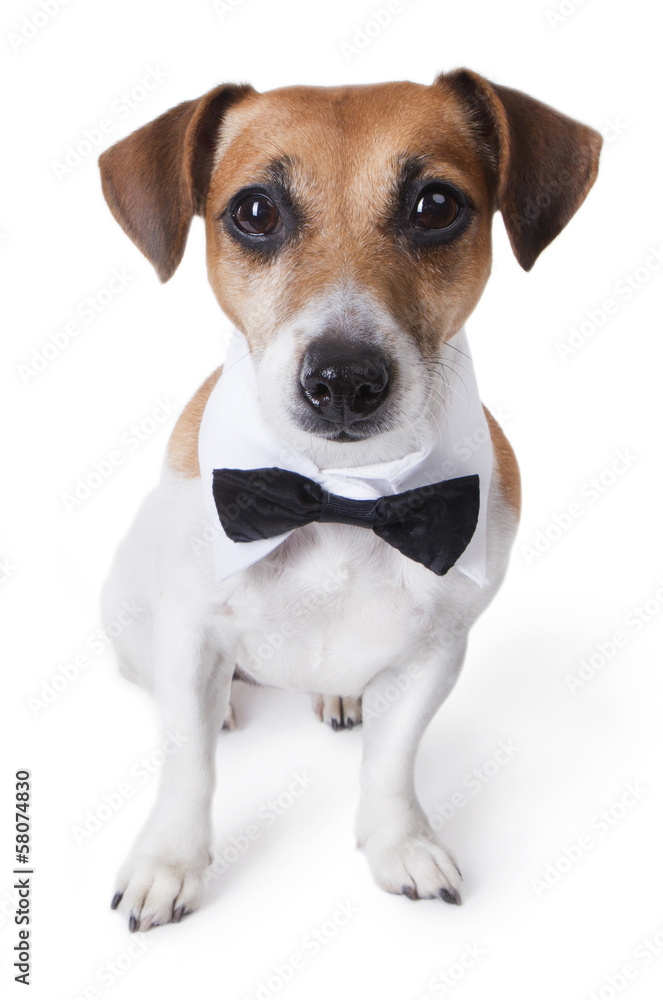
(436, 208)
(257, 215)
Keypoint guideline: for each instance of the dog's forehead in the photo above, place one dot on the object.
(344, 131)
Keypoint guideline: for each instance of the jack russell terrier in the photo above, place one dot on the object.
(339, 486)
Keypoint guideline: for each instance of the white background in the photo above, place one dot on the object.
(577, 752)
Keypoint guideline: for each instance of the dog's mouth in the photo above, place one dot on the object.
(342, 433)
(347, 436)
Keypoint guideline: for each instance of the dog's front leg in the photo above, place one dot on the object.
(161, 879)
(402, 849)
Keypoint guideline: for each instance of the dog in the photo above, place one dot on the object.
(348, 234)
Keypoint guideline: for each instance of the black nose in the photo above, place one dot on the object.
(344, 382)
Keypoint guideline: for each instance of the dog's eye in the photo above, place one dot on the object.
(436, 208)
(257, 215)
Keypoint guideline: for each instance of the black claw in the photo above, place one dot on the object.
(335, 724)
(115, 902)
(450, 896)
(349, 724)
(460, 874)
(409, 891)
(133, 923)
(178, 914)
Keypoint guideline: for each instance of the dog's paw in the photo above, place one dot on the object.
(151, 891)
(339, 713)
(229, 722)
(414, 865)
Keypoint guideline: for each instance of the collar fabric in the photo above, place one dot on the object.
(234, 435)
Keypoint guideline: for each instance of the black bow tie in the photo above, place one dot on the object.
(432, 525)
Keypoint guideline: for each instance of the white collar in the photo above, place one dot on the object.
(234, 435)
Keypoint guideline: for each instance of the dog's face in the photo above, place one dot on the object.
(348, 233)
(348, 236)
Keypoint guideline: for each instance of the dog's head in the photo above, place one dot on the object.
(348, 232)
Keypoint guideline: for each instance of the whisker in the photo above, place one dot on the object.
(465, 399)
(449, 365)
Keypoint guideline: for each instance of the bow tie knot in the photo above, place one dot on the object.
(345, 510)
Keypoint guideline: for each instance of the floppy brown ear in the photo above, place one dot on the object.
(157, 178)
(545, 163)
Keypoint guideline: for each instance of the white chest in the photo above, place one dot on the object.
(332, 607)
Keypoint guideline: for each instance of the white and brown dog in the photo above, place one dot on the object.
(348, 240)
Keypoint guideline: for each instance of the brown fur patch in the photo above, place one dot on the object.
(506, 463)
(183, 444)
(157, 178)
(343, 146)
(546, 161)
